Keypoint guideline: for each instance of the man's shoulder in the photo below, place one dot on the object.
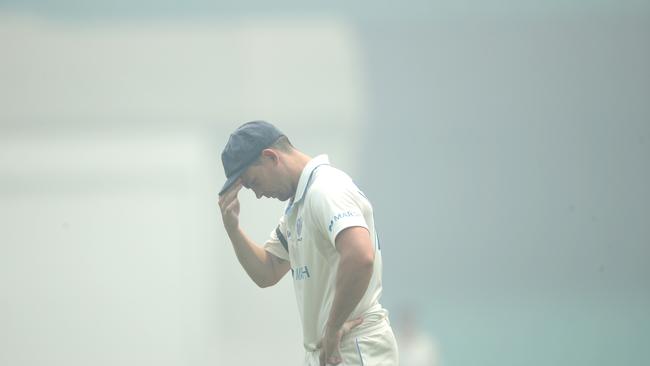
(330, 179)
(331, 184)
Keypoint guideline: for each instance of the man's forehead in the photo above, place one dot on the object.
(246, 176)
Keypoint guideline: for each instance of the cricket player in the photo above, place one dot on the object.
(325, 237)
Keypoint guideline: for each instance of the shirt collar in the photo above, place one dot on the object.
(305, 176)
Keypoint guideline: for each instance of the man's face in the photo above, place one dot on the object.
(264, 180)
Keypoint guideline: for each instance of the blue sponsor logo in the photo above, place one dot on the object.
(300, 273)
(341, 216)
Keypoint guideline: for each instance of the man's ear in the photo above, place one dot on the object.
(271, 155)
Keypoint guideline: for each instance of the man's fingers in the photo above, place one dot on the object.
(236, 187)
(351, 324)
(231, 192)
(227, 198)
(356, 322)
(224, 204)
(334, 360)
(231, 207)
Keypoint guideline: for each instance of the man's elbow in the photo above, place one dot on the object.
(367, 261)
(361, 261)
(266, 281)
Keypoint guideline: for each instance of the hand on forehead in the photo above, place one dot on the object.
(233, 189)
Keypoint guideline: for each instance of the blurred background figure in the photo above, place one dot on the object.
(417, 346)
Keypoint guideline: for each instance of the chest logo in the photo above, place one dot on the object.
(299, 228)
(300, 273)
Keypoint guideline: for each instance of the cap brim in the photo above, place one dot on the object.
(230, 181)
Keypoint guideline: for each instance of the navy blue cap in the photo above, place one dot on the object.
(244, 147)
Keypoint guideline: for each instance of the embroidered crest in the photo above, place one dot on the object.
(299, 227)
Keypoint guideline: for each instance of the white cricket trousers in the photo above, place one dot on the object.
(367, 346)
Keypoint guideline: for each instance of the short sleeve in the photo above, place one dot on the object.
(335, 209)
(273, 244)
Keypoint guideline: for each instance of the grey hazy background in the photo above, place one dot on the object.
(504, 146)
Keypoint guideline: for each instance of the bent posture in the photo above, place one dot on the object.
(326, 238)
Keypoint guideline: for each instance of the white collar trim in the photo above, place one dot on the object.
(306, 175)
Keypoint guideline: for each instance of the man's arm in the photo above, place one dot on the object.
(264, 268)
(356, 263)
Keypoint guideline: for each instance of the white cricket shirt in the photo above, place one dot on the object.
(326, 202)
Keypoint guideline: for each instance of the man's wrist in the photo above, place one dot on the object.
(233, 230)
(331, 327)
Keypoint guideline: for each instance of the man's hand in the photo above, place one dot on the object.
(330, 353)
(229, 205)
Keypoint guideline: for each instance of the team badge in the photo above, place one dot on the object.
(299, 227)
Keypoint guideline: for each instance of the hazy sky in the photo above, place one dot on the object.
(359, 10)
